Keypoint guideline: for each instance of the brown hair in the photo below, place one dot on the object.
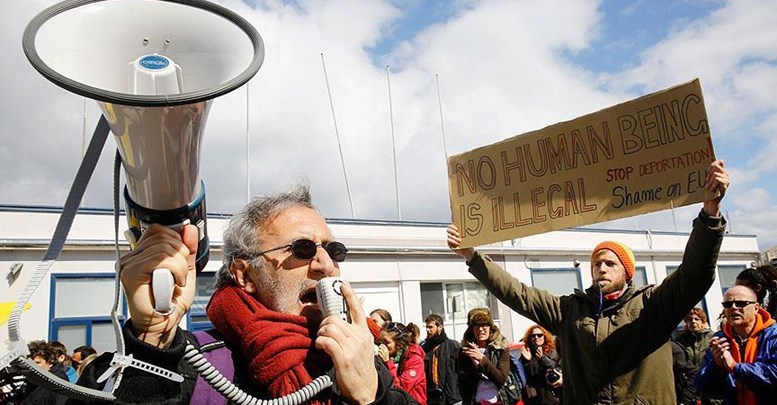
(698, 312)
(382, 313)
(695, 311)
(85, 362)
(41, 348)
(414, 332)
(398, 333)
(436, 318)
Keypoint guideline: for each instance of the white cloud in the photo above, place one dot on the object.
(503, 69)
(756, 214)
(722, 49)
(753, 200)
(732, 51)
(742, 178)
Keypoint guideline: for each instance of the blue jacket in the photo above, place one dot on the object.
(760, 376)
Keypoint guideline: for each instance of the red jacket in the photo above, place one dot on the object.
(410, 374)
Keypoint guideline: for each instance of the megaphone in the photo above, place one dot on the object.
(154, 67)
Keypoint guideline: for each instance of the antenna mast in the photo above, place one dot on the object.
(337, 134)
(393, 142)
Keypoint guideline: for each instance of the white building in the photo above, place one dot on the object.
(404, 267)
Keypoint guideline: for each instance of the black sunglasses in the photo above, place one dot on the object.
(536, 335)
(396, 328)
(305, 249)
(392, 326)
(739, 304)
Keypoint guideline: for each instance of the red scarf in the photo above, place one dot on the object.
(762, 320)
(280, 348)
(616, 294)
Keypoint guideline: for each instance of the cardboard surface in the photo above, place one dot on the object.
(644, 155)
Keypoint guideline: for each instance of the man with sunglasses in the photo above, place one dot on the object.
(740, 366)
(264, 309)
(614, 337)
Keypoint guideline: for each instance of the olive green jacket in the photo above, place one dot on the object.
(621, 356)
(694, 344)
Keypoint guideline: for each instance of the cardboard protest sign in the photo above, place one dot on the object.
(644, 155)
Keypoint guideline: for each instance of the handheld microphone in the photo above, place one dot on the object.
(330, 298)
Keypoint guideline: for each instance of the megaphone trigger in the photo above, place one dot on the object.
(162, 286)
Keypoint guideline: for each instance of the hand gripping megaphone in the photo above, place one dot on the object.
(154, 67)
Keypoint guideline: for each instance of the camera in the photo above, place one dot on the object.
(552, 376)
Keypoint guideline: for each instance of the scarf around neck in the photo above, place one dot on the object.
(279, 348)
(762, 321)
(615, 295)
(434, 341)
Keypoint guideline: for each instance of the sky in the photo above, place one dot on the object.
(461, 74)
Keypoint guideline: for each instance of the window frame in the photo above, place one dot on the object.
(539, 270)
(739, 267)
(701, 304)
(87, 321)
(191, 324)
(447, 314)
(644, 276)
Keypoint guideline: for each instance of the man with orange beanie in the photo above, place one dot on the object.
(615, 337)
(741, 364)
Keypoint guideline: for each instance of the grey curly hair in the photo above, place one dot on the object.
(241, 238)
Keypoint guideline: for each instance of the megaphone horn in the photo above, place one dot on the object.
(153, 66)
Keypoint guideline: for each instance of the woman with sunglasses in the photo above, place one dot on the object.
(484, 363)
(541, 362)
(404, 358)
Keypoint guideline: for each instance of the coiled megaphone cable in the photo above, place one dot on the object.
(120, 360)
(236, 395)
(18, 347)
(43, 378)
(332, 303)
(16, 344)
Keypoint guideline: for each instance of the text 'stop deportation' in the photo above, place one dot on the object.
(644, 155)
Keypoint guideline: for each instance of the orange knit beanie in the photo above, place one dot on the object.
(623, 252)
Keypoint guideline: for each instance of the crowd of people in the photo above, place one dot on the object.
(478, 370)
(613, 343)
(53, 357)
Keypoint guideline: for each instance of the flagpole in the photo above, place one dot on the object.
(442, 124)
(393, 143)
(248, 148)
(337, 134)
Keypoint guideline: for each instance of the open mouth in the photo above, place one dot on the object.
(309, 297)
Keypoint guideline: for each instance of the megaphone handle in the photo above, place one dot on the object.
(162, 285)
